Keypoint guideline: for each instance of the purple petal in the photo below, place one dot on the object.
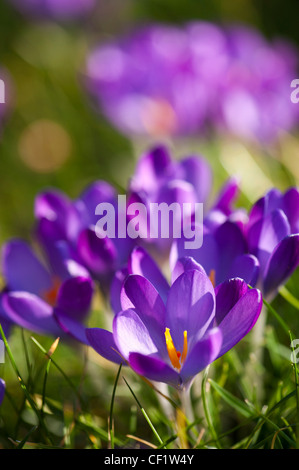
(155, 369)
(190, 306)
(30, 312)
(187, 263)
(97, 254)
(202, 354)
(227, 196)
(228, 294)
(282, 262)
(22, 270)
(2, 390)
(102, 342)
(140, 294)
(246, 267)
(291, 208)
(196, 171)
(71, 326)
(240, 319)
(131, 335)
(116, 288)
(231, 244)
(141, 263)
(151, 167)
(75, 296)
(96, 193)
(58, 218)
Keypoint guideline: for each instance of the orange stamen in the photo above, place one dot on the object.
(51, 294)
(177, 358)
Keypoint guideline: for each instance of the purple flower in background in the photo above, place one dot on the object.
(34, 294)
(172, 339)
(147, 83)
(273, 237)
(55, 9)
(2, 390)
(253, 93)
(167, 80)
(70, 225)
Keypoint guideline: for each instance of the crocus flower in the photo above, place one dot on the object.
(2, 390)
(177, 81)
(55, 9)
(171, 341)
(158, 180)
(147, 84)
(273, 237)
(72, 224)
(34, 293)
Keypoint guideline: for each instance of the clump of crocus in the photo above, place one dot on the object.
(71, 224)
(35, 293)
(272, 234)
(194, 79)
(172, 340)
(55, 9)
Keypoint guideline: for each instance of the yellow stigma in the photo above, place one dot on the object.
(212, 277)
(176, 358)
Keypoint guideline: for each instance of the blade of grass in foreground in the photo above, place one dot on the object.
(24, 388)
(206, 408)
(58, 368)
(146, 416)
(110, 429)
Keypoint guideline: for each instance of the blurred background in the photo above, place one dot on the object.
(52, 136)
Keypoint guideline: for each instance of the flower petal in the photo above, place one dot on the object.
(282, 262)
(155, 369)
(240, 319)
(131, 335)
(22, 269)
(190, 306)
(75, 296)
(30, 312)
(102, 342)
(246, 267)
(2, 390)
(140, 294)
(140, 262)
(202, 354)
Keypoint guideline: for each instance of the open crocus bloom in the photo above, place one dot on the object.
(172, 340)
(273, 237)
(2, 390)
(34, 294)
(71, 224)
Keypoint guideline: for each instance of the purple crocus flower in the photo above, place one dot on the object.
(71, 224)
(55, 9)
(273, 237)
(2, 390)
(166, 80)
(147, 83)
(160, 180)
(35, 294)
(172, 340)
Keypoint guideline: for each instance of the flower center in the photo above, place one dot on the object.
(212, 277)
(50, 295)
(177, 358)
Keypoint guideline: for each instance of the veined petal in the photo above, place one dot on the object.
(131, 335)
(190, 307)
